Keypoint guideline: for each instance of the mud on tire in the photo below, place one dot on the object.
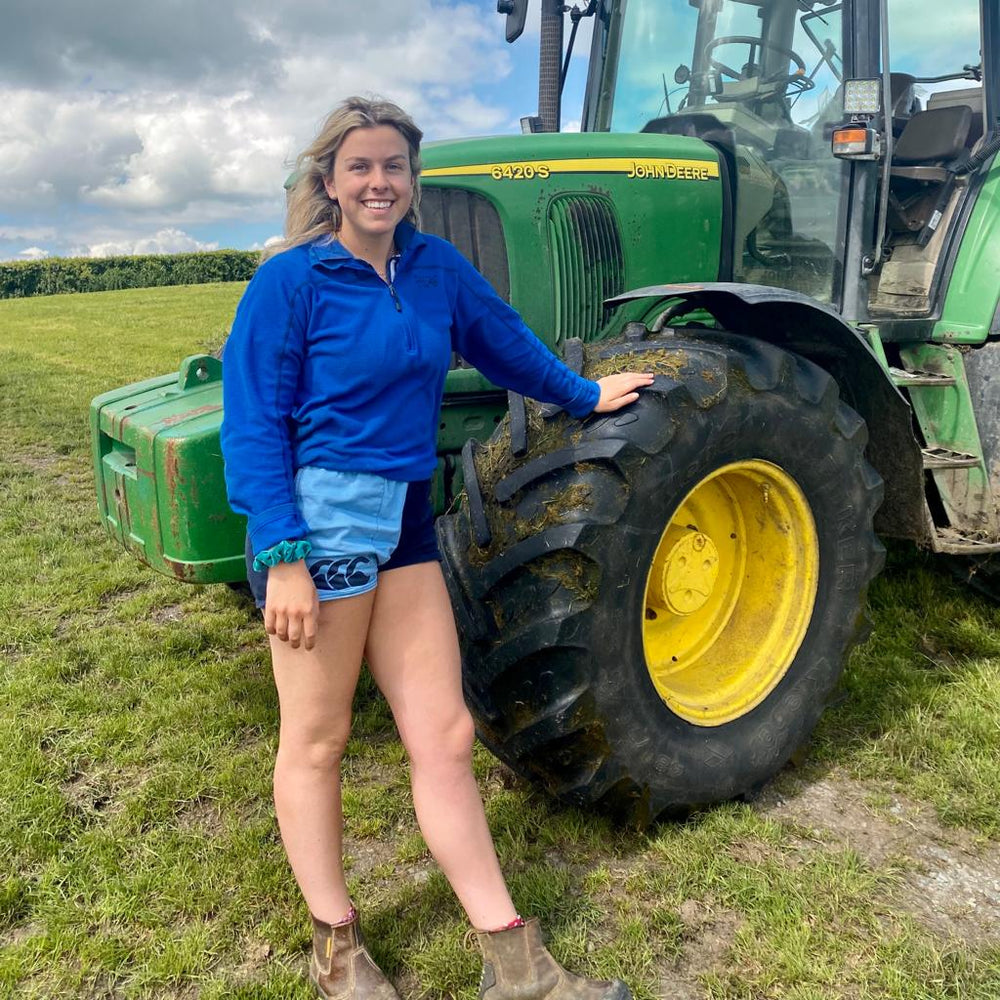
(558, 612)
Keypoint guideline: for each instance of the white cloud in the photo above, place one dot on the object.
(192, 149)
(115, 125)
(263, 244)
(163, 241)
(33, 253)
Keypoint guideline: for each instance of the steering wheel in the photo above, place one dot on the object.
(799, 81)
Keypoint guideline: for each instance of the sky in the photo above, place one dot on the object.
(128, 126)
(133, 126)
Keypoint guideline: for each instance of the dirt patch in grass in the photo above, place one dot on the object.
(116, 597)
(170, 613)
(708, 935)
(52, 465)
(39, 459)
(20, 933)
(950, 879)
(87, 794)
(697, 941)
(11, 652)
(256, 955)
(363, 855)
(201, 814)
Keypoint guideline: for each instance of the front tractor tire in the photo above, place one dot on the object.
(661, 600)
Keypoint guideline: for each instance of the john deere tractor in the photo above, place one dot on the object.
(795, 227)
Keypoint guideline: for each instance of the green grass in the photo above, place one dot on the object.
(138, 852)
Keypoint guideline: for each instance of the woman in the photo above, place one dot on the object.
(334, 374)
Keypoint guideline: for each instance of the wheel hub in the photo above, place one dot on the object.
(689, 572)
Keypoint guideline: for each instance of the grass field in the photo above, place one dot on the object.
(138, 852)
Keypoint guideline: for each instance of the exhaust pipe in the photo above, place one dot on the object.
(550, 56)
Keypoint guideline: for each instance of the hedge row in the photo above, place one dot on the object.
(56, 275)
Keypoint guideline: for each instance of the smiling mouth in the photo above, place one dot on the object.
(377, 205)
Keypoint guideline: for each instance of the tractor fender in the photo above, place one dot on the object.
(799, 324)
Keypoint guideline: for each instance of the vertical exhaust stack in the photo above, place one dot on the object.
(550, 55)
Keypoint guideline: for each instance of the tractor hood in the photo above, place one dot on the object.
(544, 218)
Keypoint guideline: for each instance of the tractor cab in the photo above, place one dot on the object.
(847, 147)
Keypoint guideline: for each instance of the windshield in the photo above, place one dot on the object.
(757, 65)
(763, 78)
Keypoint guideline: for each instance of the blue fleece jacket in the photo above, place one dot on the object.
(329, 366)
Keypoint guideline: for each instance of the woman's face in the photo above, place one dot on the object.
(373, 184)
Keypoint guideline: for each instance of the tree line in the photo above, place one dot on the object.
(59, 275)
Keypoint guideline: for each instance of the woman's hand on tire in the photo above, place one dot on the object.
(620, 390)
(291, 611)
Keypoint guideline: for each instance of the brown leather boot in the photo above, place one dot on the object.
(517, 966)
(341, 967)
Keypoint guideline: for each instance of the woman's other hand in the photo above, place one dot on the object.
(291, 609)
(620, 390)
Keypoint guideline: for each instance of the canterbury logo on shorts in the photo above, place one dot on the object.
(342, 574)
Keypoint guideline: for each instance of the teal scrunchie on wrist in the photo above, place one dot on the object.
(282, 552)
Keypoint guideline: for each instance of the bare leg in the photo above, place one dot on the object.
(315, 689)
(413, 654)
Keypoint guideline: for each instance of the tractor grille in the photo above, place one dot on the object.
(471, 223)
(589, 263)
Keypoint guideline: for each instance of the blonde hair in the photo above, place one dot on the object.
(310, 212)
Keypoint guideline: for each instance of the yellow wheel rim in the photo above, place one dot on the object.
(730, 592)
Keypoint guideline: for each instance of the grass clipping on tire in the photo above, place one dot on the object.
(496, 460)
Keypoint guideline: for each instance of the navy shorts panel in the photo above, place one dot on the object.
(417, 537)
(417, 540)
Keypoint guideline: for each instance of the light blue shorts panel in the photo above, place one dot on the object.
(354, 523)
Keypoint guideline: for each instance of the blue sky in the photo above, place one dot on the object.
(134, 127)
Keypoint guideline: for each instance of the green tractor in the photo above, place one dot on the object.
(795, 228)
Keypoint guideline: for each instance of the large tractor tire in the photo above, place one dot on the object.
(655, 605)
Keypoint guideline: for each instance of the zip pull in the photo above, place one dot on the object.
(395, 298)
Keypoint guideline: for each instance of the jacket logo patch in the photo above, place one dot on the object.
(342, 574)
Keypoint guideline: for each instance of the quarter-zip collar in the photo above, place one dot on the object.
(332, 252)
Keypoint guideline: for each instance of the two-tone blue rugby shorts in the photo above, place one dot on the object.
(359, 524)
